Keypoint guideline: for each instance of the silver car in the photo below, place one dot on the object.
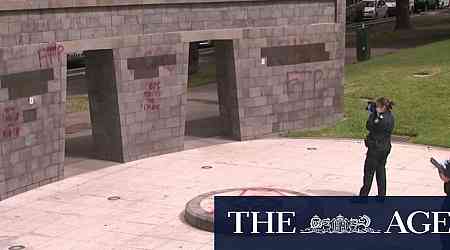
(375, 9)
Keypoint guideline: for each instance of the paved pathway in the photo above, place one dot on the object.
(75, 213)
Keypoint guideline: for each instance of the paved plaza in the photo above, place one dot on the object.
(75, 213)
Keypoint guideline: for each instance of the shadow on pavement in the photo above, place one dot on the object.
(203, 128)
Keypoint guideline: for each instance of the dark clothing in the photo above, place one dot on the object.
(447, 174)
(445, 239)
(378, 144)
(379, 137)
(375, 164)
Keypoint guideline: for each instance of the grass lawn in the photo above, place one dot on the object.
(77, 103)
(422, 108)
(205, 75)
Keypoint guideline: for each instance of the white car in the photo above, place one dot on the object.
(375, 9)
(392, 7)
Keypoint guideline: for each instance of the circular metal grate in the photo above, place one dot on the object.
(16, 247)
(422, 74)
(113, 198)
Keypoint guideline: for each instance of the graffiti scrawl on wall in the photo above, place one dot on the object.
(152, 94)
(50, 55)
(10, 117)
(296, 80)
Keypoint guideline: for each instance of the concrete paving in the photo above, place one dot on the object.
(76, 214)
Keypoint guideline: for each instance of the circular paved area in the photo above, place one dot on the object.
(199, 211)
(76, 214)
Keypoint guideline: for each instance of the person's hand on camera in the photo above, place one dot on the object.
(444, 178)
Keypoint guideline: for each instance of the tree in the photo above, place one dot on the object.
(403, 20)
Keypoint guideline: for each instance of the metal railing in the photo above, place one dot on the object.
(368, 23)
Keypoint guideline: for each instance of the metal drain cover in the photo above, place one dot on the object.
(17, 247)
(422, 74)
(113, 198)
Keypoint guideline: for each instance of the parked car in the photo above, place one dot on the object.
(392, 7)
(375, 9)
(425, 5)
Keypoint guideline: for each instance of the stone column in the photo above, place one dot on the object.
(103, 105)
(151, 80)
(227, 88)
(32, 98)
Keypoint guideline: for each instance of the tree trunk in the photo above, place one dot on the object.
(403, 20)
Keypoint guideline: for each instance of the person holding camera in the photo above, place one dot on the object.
(445, 177)
(378, 142)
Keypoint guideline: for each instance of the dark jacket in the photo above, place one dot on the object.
(447, 174)
(380, 129)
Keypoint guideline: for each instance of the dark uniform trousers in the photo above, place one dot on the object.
(378, 143)
(445, 238)
(375, 164)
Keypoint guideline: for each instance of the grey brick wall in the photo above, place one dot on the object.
(280, 68)
(31, 133)
(151, 106)
(285, 97)
(35, 26)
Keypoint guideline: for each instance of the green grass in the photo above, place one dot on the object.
(77, 103)
(205, 75)
(423, 104)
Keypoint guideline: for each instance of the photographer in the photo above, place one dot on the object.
(378, 142)
(446, 178)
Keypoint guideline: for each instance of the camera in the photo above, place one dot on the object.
(371, 107)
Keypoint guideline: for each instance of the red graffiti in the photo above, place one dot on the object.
(10, 116)
(50, 54)
(11, 132)
(151, 96)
